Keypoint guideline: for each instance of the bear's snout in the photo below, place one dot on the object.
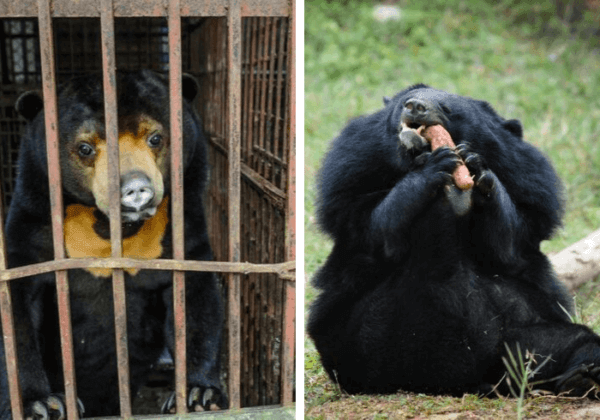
(137, 191)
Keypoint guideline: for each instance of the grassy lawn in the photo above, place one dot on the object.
(518, 57)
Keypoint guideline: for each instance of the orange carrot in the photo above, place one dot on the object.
(438, 137)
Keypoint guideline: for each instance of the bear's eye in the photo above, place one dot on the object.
(85, 150)
(155, 140)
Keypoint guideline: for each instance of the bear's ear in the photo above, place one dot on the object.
(386, 100)
(29, 104)
(515, 127)
(189, 87)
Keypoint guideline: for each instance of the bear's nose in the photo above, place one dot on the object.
(136, 191)
(417, 108)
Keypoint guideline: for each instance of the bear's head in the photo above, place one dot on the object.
(144, 163)
(524, 172)
(468, 121)
(144, 143)
(464, 118)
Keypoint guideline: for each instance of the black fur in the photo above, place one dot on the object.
(421, 297)
(149, 293)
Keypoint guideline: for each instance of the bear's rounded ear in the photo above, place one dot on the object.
(29, 104)
(515, 127)
(386, 100)
(189, 87)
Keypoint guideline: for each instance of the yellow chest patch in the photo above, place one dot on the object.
(82, 241)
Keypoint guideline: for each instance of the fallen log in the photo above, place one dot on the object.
(579, 262)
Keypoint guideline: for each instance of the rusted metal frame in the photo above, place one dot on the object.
(234, 23)
(264, 335)
(252, 161)
(56, 201)
(287, 374)
(279, 196)
(274, 289)
(250, 47)
(224, 74)
(281, 269)
(256, 300)
(216, 77)
(290, 227)
(10, 348)
(271, 157)
(251, 348)
(107, 27)
(255, 305)
(272, 86)
(247, 304)
(177, 221)
(8, 330)
(221, 204)
(286, 115)
(246, 70)
(207, 95)
(280, 89)
(288, 347)
(155, 8)
(263, 62)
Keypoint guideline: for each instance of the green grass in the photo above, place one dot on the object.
(498, 53)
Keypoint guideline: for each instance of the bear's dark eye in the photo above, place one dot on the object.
(155, 140)
(85, 150)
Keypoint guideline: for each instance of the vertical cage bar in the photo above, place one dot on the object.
(287, 364)
(107, 29)
(271, 56)
(251, 68)
(56, 201)
(10, 348)
(177, 221)
(280, 90)
(8, 330)
(260, 97)
(234, 47)
(287, 374)
(246, 71)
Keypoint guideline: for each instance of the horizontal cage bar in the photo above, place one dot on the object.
(285, 270)
(157, 8)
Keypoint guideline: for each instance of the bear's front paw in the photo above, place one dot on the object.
(483, 177)
(51, 408)
(584, 380)
(200, 398)
(439, 165)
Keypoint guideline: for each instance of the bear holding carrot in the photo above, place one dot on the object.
(436, 271)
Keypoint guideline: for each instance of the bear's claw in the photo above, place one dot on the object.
(580, 381)
(484, 180)
(53, 408)
(199, 397)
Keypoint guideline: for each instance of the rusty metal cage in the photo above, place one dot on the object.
(242, 53)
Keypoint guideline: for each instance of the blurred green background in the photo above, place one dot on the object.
(538, 62)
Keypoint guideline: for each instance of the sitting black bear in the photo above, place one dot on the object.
(425, 283)
(143, 108)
